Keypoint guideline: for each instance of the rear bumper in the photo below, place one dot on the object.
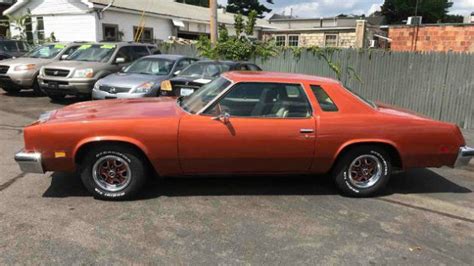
(465, 154)
(29, 162)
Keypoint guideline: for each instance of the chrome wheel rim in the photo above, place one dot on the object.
(365, 171)
(111, 173)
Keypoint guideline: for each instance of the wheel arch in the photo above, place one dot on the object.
(86, 145)
(389, 146)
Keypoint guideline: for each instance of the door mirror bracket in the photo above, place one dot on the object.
(223, 117)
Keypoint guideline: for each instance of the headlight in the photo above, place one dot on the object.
(84, 73)
(25, 67)
(143, 88)
(166, 85)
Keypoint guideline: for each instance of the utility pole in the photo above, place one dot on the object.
(213, 24)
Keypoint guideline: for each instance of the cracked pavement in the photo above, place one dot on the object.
(426, 216)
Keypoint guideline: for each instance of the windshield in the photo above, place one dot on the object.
(45, 51)
(93, 53)
(369, 102)
(152, 66)
(204, 95)
(204, 70)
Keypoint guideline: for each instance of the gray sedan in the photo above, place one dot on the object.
(142, 78)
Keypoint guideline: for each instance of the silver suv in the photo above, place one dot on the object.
(20, 73)
(77, 74)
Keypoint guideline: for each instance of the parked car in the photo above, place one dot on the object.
(77, 74)
(21, 73)
(196, 75)
(241, 123)
(12, 48)
(142, 78)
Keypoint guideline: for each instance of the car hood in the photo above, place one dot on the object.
(117, 109)
(69, 64)
(25, 60)
(130, 80)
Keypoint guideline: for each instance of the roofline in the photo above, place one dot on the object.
(21, 3)
(306, 19)
(308, 29)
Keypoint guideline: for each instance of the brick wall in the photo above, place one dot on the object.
(458, 38)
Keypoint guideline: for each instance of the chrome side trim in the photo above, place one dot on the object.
(465, 154)
(29, 162)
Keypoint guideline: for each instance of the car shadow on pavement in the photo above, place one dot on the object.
(22, 94)
(416, 181)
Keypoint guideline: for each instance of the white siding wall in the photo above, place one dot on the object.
(162, 28)
(71, 27)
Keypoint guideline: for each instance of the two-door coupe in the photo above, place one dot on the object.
(241, 123)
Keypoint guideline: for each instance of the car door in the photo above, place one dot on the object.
(270, 130)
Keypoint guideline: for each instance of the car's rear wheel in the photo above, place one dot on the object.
(362, 171)
(113, 172)
(11, 90)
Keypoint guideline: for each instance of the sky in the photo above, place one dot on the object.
(327, 8)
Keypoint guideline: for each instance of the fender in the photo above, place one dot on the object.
(133, 141)
(368, 140)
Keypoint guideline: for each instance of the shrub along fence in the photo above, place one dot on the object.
(439, 85)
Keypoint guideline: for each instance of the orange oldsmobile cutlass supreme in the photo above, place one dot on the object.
(241, 123)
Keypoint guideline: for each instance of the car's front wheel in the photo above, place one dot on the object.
(113, 172)
(362, 171)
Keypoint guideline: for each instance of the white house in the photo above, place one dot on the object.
(114, 20)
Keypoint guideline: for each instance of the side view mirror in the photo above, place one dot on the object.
(177, 72)
(64, 56)
(119, 60)
(223, 117)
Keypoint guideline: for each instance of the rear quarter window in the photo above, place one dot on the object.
(325, 102)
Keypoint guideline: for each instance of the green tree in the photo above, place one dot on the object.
(244, 7)
(238, 47)
(432, 11)
(204, 3)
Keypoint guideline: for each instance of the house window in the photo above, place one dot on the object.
(29, 30)
(40, 28)
(280, 40)
(330, 40)
(146, 36)
(293, 40)
(110, 32)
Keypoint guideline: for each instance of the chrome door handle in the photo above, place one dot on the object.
(306, 130)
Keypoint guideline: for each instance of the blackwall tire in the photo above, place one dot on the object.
(113, 172)
(362, 171)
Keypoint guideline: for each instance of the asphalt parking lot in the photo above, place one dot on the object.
(425, 217)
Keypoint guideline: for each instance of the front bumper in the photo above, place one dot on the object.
(24, 79)
(29, 162)
(465, 154)
(66, 86)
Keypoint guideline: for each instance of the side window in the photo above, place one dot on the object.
(253, 67)
(70, 50)
(126, 53)
(140, 51)
(326, 103)
(243, 67)
(183, 63)
(272, 100)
